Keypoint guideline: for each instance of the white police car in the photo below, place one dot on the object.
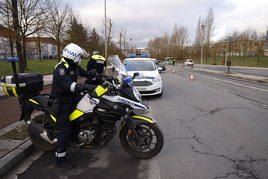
(148, 81)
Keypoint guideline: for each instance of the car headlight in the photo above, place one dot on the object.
(137, 94)
(157, 78)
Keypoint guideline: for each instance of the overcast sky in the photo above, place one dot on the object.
(146, 19)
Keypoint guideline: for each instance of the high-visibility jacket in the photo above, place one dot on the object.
(97, 62)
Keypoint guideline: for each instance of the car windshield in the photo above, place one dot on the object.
(139, 65)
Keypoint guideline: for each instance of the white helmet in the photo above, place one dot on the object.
(73, 52)
(96, 52)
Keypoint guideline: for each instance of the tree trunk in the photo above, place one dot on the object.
(58, 50)
(24, 52)
(11, 46)
(39, 49)
(17, 35)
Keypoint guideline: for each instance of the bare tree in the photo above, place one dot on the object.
(57, 26)
(6, 22)
(178, 40)
(109, 28)
(32, 18)
(198, 43)
(209, 28)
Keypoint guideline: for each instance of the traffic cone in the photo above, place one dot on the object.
(191, 77)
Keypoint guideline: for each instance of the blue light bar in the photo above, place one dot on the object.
(145, 55)
(132, 55)
(138, 55)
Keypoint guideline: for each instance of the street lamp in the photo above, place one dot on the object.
(202, 34)
(105, 31)
(226, 52)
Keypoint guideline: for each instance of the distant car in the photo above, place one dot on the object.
(189, 62)
(148, 81)
(160, 66)
(169, 60)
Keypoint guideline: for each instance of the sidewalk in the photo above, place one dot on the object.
(236, 75)
(13, 148)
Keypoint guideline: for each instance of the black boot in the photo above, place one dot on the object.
(63, 161)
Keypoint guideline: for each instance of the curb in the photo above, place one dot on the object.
(236, 75)
(15, 156)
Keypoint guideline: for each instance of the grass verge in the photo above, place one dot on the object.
(40, 66)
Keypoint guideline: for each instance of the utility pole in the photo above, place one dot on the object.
(202, 35)
(226, 53)
(105, 25)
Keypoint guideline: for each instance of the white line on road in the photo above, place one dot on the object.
(153, 170)
(238, 84)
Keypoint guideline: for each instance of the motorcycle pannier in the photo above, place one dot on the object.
(29, 83)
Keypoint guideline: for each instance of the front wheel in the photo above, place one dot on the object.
(149, 145)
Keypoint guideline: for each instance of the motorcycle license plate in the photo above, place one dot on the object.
(141, 89)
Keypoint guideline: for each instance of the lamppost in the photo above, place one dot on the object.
(202, 36)
(105, 31)
(226, 52)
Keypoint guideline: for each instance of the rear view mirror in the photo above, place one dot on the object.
(135, 75)
(160, 68)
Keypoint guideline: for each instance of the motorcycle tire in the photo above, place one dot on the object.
(34, 130)
(148, 132)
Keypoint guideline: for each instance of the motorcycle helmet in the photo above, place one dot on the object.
(73, 52)
(96, 52)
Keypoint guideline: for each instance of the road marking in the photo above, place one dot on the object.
(153, 170)
(238, 84)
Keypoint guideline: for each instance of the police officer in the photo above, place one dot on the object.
(98, 62)
(65, 91)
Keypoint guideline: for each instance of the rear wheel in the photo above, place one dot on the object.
(150, 143)
(37, 126)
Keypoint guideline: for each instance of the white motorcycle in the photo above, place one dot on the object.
(100, 115)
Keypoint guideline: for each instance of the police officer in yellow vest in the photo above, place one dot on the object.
(65, 91)
(97, 62)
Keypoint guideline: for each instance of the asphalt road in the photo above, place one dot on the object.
(263, 72)
(213, 129)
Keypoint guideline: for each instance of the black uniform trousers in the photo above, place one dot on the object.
(65, 126)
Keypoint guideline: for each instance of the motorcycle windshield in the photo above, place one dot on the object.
(119, 67)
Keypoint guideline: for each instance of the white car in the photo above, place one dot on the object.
(189, 62)
(148, 81)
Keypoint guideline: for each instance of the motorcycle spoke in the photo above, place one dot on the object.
(148, 139)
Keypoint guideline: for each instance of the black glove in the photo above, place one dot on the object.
(92, 74)
(89, 88)
(110, 78)
(79, 87)
(101, 77)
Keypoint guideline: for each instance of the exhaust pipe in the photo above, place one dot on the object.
(37, 130)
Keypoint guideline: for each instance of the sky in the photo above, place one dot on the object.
(146, 19)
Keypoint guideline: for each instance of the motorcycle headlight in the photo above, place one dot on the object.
(157, 78)
(137, 94)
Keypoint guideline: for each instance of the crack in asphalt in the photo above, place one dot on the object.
(195, 137)
(257, 103)
(242, 168)
(213, 111)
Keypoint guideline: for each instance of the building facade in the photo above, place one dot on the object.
(36, 47)
(41, 48)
